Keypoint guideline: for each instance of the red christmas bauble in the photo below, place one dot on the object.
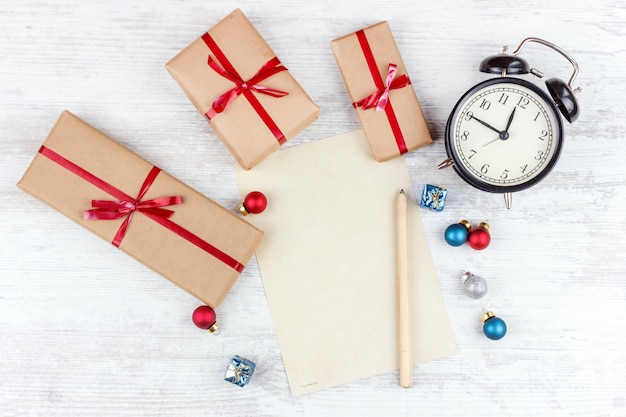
(479, 238)
(204, 317)
(255, 202)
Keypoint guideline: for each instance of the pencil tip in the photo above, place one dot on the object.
(402, 191)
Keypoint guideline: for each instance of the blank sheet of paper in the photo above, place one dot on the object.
(328, 263)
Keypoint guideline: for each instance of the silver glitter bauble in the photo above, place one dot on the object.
(475, 286)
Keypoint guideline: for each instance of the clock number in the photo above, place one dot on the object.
(536, 117)
(465, 135)
(468, 116)
(539, 155)
(544, 135)
(473, 153)
(505, 174)
(485, 168)
(485, 104)
(523, 168)
(523, 102)
(503, 98)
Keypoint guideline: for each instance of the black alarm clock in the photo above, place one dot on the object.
(505, 134)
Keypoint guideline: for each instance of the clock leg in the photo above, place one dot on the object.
(446, 164)
(508, 200)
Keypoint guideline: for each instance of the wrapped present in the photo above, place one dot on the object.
(381, 91)
(433, 197)
(233, 77)
(163, 223)
(239, 371)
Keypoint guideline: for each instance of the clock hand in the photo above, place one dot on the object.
(485, 124)
(504, 135)
(508, 124)
(492, 141)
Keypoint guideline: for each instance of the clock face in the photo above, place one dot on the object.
(504, 135)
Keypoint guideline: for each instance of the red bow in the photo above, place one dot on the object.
(112, 210)
(270, 68)
(380, 98)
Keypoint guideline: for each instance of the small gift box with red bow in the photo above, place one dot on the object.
(381, 91)
(235, 80)
(163, 223)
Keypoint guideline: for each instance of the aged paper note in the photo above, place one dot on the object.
(328, 263)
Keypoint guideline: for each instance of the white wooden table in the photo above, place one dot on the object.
(85, 330)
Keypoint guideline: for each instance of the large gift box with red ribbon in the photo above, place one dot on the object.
(235, 80)
(381, 91)
(163, 223)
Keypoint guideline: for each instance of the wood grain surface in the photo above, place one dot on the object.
(87, 331)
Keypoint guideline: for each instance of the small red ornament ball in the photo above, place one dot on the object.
(255, 202)
(204, 317)
(479, 237)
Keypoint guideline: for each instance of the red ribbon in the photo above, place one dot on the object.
(127, 205)
(270, 68)
(380, 98)
(378, 81)
(228, 71)
(112, 210)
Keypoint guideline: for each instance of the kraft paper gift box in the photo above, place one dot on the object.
(381, 91)
(153, 217)
(234, 79)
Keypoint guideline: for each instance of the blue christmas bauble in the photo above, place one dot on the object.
(456, 234)
(494, 328)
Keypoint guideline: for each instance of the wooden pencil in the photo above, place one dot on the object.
(404, 292)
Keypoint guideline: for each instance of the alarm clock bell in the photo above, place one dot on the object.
(561, 92)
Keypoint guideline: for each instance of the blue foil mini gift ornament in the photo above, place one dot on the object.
(433, 197)
(239, 371)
